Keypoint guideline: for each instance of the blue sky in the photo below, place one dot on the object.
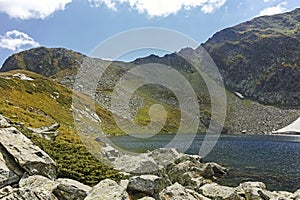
(82, 24)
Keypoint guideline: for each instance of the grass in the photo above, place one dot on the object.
(30, 102)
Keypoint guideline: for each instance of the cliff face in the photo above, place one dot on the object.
(261, 58)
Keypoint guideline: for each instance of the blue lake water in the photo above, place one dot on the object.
(275, 160)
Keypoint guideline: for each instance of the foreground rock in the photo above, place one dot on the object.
(178, 192)
(27, 156)
(108, 190)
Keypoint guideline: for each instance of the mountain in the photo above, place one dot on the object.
(258, 60)
(261, 58)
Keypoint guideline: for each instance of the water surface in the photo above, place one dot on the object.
(275, 160)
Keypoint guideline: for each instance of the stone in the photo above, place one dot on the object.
(22, 194)
(147, 185)
(215, 191)
(69, 189)
(7, 177)
(136, 165)
(38, 183)
(146, 198)
(27, 155)
(47, 132)
(164, 156)
(213, 170)
(4, 123)
(283, 195)
(5, 191)
(178, 192)
(254, 190)
(296, 195)
(110, 152)
(107, 190)
(22, 77)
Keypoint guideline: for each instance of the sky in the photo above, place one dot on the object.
(81, 25)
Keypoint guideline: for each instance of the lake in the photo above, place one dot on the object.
(272, 159)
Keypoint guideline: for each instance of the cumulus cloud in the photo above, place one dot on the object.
(279, 8)
(28, 9)
(162, 8)
(16, 41)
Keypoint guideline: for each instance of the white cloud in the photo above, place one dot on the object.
(280, 8)
(27, 9)
(162, 7)
(16, 41)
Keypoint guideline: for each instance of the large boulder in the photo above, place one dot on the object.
(254, 190)
(69, 189)
(65, 189)
(215, 191)
(27, 155)
(137, 165)
(145, 185)
(108, 190)
(178, 192)
(164, 156)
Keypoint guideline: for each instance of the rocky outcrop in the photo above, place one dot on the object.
(28, 156)
(47, 132)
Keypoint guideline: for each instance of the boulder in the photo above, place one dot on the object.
(145, 185)
(4, 123)
(164, 156)
(69, 189)
(107, 190)
(38, 183)
(283, 195)
(7, 177)
(215, 191)
(47, 132)
(137, 165)
(27, 155)
(213, 170)
(296, 195)
(111, 153)
(178, 192)
(22, 194)
(254, 190)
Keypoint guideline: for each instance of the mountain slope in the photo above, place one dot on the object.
(261, 58)
(32, 100)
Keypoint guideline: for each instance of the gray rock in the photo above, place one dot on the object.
(164, 156)
(215, 191)
(22, 194)
(7, 177)
(4, 123)
(178, 192)
(146, 198)
(283, 195)
(108, 190)
(68, 189)
(28, 156)
(47, 132)
(254, 190)
(5, 191)
(38, 183)
(296, 195)
(146, 185)
(137, 165)
(213, 170)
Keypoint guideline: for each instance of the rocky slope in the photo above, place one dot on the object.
(261, 58)
(27, 172)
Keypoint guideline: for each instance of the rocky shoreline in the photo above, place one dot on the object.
(27, 172)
